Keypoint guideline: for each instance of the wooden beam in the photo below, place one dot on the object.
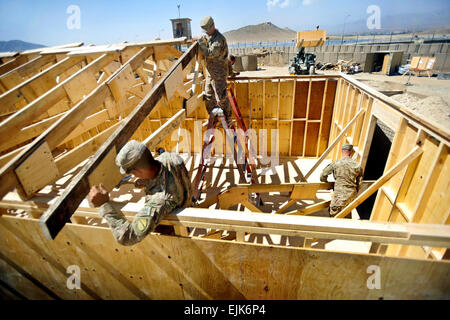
(411, 156)
(13, 96)
(437, 168)
(17, 75)
(10, 65)
(29, 132)
(286, 187)
(80, 153)
(291, 225)
(334, 143)
(159, 135)
(59, 130)
(430, 127)
(67, 46)
(311, 208)
(29, 277)
(63, 208)
(45, 102)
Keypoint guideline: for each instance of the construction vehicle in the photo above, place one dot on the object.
(304, 63)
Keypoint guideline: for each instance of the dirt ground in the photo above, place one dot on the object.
(428, 97)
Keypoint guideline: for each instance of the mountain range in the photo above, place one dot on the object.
(18, 45)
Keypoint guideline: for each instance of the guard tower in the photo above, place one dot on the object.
(181, 28)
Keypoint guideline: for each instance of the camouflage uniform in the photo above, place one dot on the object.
(170, 189)
(215, 51)
(348, 176)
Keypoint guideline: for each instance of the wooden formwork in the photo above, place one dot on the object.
(66, 112)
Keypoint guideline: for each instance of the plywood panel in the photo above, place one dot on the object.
(316, 100)
(285, 131)
(403, 146)
(271, 99)
(256, 99)
(437, 208)
(167, 267)
(241, 94)
(297, 142)
(418, 179)
(286, 99)
(270, 125)
(32, 179)
(327, 115)
(301, 98)
(382, 207)
(312, 139)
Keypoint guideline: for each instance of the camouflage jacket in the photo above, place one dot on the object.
(170, 189)
(215, 51)
(347, 174)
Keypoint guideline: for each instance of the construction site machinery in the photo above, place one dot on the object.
(304, 63)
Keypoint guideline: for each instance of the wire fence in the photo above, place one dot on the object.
(386, 39)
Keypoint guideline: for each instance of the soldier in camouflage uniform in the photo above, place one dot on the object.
(167, 187)
(347, 175)
(215, 50)
(230, 62)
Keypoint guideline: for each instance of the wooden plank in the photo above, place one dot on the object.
(50, 98)
(62, 209)
(312, 208)
(120, 83)
(32, 179)
(83, 151)
(411, 156)
(174, 82)
(106, 172)
(42, 293)
(59, 130)
(26, 70)
(421, 122)
(309, 190)
(159, 135)
(28, 132)
(13, 96)
(436, 169)
(10, 65)
(308, 103)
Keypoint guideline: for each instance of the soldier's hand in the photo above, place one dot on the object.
(140, 183)
(98, 195)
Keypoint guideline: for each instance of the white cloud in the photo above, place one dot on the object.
(308, 2)
(274, 3)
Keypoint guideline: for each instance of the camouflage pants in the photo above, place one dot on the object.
(216, 95)
(340, 200)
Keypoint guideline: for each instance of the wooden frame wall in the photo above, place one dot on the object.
(168, 267)
(323, 112)
(418, 190)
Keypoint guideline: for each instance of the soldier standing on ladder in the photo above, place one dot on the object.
(215, 50)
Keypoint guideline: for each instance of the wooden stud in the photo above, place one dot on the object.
(411, 156)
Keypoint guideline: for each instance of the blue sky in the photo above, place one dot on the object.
(102, 21)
